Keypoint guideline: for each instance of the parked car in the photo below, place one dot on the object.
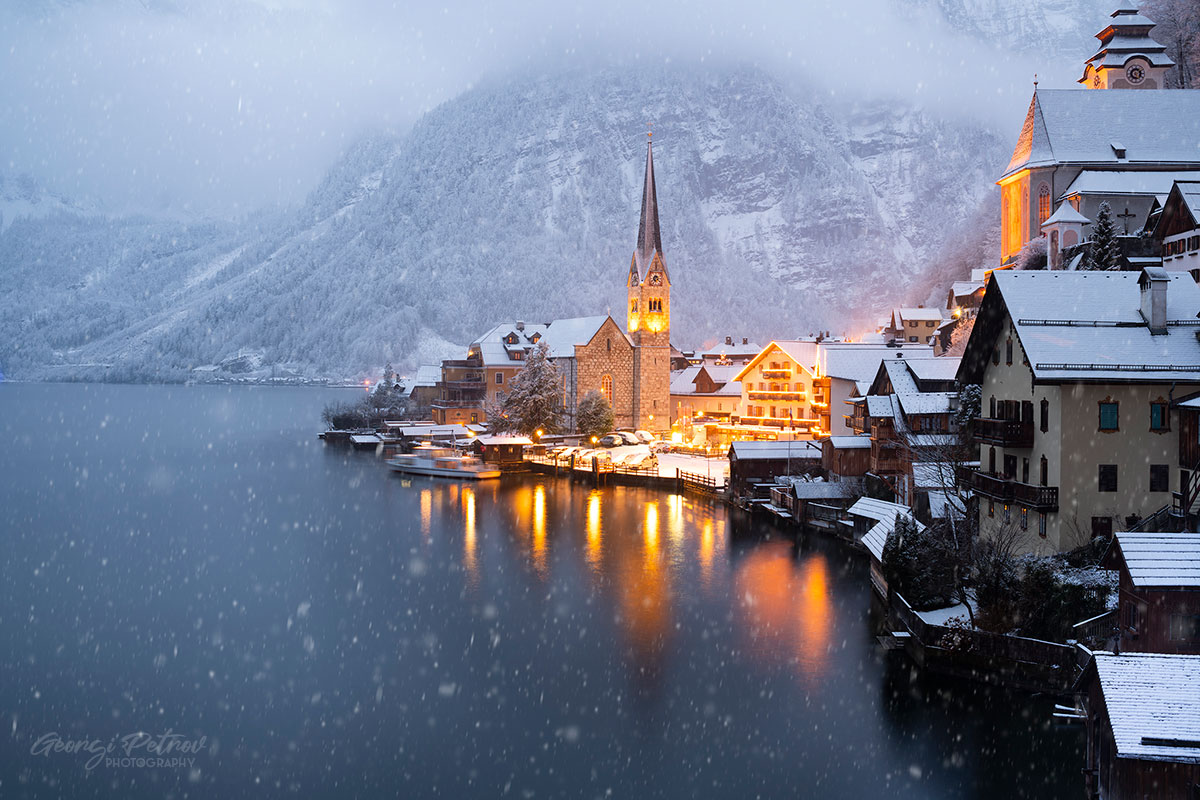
(629, 437)
(611, 440)
(645, 437)
(642, 461)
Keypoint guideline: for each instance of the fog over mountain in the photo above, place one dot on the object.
(785, 196)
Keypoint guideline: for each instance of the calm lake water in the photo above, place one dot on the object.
(194, 560)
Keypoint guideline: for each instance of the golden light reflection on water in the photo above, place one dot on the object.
(651, 528)
(594, 537)
(426, 512)
(539, 529)
(786, 609)
(706, 553)
(470, 554)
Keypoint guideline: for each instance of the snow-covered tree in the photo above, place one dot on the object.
(532, 403)
(970, 401)
(920, 564)
(1033, 254)
(595, 415)
(1104, 252)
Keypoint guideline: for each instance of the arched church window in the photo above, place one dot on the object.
(606, 388)
(1043, 203)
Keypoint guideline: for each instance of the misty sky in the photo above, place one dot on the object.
(219, 106)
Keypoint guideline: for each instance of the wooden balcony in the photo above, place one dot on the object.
(439, 403)
(781, 374)
(1004, 432)
(779, 422)
(997, 487)
(787, 397)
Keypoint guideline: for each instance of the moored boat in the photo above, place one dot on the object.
(442, 462)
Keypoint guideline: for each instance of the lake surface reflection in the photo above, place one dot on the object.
(193, 559)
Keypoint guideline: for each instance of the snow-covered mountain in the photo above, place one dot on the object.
(781, 215)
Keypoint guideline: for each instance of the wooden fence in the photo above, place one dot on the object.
(981, 655)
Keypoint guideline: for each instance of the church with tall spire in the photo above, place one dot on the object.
(630, 368)
(649, 321)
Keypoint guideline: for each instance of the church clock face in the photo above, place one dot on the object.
(1135, 74)
(656, 279)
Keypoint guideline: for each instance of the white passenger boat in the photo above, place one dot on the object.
(442, 462)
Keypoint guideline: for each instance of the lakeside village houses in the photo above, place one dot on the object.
(1089, 387)
(1089, 392)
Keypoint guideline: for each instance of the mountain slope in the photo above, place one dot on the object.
(517, 199)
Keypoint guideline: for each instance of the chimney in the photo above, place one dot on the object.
(520, 325)
(1153, 282)
(745, 340)
(728, 340)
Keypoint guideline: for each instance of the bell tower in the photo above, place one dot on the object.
(649, 321)
(1128, 58)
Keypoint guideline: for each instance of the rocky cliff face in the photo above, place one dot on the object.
(780, 216)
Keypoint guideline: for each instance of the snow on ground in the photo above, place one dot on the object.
(940, 616)
(669, 465)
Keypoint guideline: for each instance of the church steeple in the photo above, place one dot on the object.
(1128, 58)
(649, 241)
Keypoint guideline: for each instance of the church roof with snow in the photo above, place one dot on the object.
(1139, 182)
(1109, 128)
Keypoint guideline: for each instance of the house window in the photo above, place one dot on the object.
(1159, 420)
(991, 508)
(1045, 415)
(992, 407)
(1043, 203)
(995, 356)
(1008, 352)
(929, 324)
(1185, 627)
(1042, 524)
(474, 418)
(1007, 513)
(912, 338)
(1160, 478)
(1101, 526)
(1024, 518)
(606, 388)
(1108, 415)
(1044, 471)
(499, 378)
(633, 306)
(1024, 470)
(1107, 478)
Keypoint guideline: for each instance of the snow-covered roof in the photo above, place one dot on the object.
(884, 513)
(934, 475)
(1153, 704)
(1089, 326)
(932, 440)
(683, 381)
(1161, 559)
(427, 375)
(898, 375)
(919, 314)
(722, 373)
(850, 442)
(753, 451)
(505, 439)
(926, 402)
(880, 405)
(1080, 126)
(1131, 182)
(943, 503)
(860, 362)
(1190, 193)
(1066, 213)
(942, 368)
(560, 335)
(737, 348)
(966, 288)
(819, 490)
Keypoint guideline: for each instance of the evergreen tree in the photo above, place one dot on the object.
(970, 403)
(1105, 251)
(595, 416)
(532, 403)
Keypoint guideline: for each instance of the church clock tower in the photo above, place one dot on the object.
(649, 322)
